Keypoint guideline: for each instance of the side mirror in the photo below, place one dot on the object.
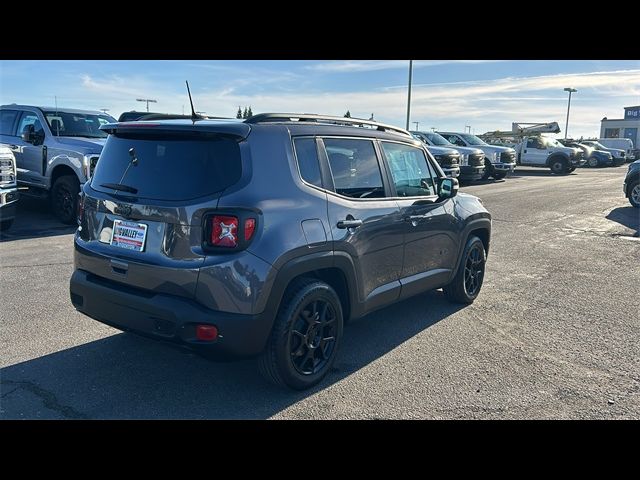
(28, 135)
(448, 188)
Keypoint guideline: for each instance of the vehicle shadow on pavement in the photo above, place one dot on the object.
(628, 216)
(35, 220)
(125, 376)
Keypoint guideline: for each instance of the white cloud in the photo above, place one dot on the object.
(351, 66)
(486, 105)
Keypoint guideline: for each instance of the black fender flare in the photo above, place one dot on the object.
(308, 263)
(475, 224)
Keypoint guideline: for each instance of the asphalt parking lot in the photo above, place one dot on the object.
(554, 333)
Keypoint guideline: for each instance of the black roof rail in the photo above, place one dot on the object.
(311, 117)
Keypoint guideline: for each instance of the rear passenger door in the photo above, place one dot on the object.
(365, 223)
(430, 226)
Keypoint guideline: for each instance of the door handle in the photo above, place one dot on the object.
(355, 223)
(414, 218)
(13, 147)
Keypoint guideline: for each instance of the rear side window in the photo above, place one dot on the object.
(169, 167)
(409, 169)
(307, 155)
(354, 167)
(7, 121)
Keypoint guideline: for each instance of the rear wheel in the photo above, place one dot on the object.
(558, 166)
(305, 336)
(465, 286)
(634, 194)
(592, 162)
(64, 198)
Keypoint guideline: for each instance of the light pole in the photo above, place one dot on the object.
(467, 126)
(409, 93)
(417, 123)
(566, 126)
(104, 110)
(146, 100)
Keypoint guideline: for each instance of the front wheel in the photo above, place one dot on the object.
(305, 336)
(592, 162)
(571, 169)
(499, 175)
(465, 286)
(64, 198)
(558, 166)
(488, 170)
(634, 194)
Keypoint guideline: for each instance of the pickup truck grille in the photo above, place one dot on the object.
(448, 160)
(476, 159)
(508, 157)
(7, 172)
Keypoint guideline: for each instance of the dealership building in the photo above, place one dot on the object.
(627, 127)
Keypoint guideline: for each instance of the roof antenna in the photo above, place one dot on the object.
(194, 115)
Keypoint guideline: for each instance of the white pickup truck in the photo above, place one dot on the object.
(539, 151)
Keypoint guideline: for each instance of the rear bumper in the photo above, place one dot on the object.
(167, 317)
(470, 173)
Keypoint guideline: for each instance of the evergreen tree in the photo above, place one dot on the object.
(250, 113)
(239, 114)
(246, 113)
(348, 114)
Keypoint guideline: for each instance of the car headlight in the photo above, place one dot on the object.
(496, 156)
(89, 164)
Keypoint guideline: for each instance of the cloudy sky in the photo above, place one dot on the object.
(447, 95)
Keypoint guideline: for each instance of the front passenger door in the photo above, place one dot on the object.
(30, 157)
(431, 228)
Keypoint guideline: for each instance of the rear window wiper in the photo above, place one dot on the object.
(120, 186)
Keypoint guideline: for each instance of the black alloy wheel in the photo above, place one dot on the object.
(312, 337)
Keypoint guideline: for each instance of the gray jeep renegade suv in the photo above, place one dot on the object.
(264, 236)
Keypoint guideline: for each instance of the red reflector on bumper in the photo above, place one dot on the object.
(206, 333)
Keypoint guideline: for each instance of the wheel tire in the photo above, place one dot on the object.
(488, 170)
(592, 162)
(500, 175)
(5, 225)
(472, 263)
(571, 169)
(64, 198)
(558, 166)
(280, 363)
(634, 194)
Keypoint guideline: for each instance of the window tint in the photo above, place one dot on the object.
(77, 124)
(354, 167)
(169, 167)
(27, 119)
(455, 140)
(7, 120)
(307, 156)
(409, 169)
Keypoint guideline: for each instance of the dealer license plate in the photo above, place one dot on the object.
(129, 235)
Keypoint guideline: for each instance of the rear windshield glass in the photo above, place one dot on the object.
(168, 168)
